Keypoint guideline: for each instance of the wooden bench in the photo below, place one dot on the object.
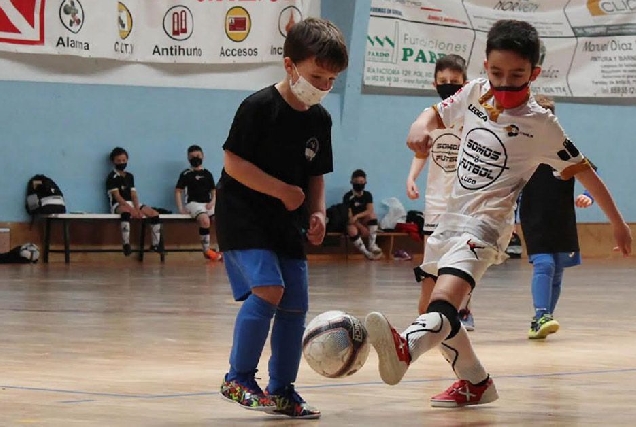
(67, 219)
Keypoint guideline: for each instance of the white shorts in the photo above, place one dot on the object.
(430, 222)
(459, 251)
(195, 209)
(114, 207)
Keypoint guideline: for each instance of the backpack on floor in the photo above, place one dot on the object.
(337, 218)
(43, 196)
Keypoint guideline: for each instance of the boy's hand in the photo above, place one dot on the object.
(582, 201)
(623, 238)
(419, 139)
(316, 232)
(183, 211)
(293, 197)
(411, 190)
(136, 213)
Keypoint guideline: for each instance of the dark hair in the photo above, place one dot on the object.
(451, 62)
(117, 151)
(546, 102)
(317, 38)
(519, 37)
(358, 173)
(193, 148)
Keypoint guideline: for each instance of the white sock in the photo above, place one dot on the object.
(156, 234)
(373, 234)
(205, 241)
(460, 354)
(125, 232)
(425, 333)
(358, 243)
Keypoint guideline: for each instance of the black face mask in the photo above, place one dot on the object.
(358, 187)
(448, 89)
(121, 166)
(196, 161)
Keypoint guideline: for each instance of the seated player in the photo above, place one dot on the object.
(362, 219)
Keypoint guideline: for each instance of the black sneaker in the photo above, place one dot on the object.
(288, 402)
(154, 248)
(127, 249)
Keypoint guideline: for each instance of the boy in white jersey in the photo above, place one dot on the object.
(450, 76)
(506, 135)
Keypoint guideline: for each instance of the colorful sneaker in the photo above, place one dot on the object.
(467, 320)
(213, 255)
(540, 329)
(288, 402)
(127, 249)
(393, 349)
(463, 393)
(375, 249)
(401, 255)
(247, 394)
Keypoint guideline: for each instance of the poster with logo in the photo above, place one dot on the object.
(167, 31)
(588, 47)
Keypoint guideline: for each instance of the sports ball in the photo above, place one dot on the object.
(30, 252)
(335, 344)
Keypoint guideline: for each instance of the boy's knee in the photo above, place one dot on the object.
(203, 220)
(544, 264)
(272, 293)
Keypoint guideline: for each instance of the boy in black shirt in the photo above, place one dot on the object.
(198, 184)
(270, 198)
(362, 219)
(122, 196)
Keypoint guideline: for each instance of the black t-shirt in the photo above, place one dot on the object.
(124, 183)
(198, 185)
(357, 203)
(546, 212)
(285, 143)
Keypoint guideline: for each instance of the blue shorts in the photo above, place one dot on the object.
(561, 259)
(251, 268)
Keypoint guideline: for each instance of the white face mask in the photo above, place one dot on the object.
(306, 93)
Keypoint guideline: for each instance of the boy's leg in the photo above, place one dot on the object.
(155, 225)
(465, 315)
(124, 226)
(256, 279)
(286, 341)
(372, 225)
(474, 385)
(542, 324)
(355, 236)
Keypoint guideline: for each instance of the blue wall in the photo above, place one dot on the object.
(66, 131)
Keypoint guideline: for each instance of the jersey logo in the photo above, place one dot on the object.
(311, 148)
(476, 111)
(473, 247)
(482, 160)
(444, 151)
(569, 151)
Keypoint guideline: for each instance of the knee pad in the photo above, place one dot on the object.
(420, 274)
(125, 216)
(449, 311)
(204, 231)
(373, 221)
(155, 220)
(354, 238)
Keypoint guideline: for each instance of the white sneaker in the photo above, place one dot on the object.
(393, 349)
(375, 249)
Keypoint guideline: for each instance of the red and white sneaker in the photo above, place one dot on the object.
(463, 393)
(393, 350)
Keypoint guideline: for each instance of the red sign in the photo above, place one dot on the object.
(237, 23)
(22, 22)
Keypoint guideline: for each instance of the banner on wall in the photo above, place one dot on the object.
(165, 31)
(588, 47)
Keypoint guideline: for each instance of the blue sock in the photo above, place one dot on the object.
(556, 288)
(286, 340)
(250, 332)
(543, 274)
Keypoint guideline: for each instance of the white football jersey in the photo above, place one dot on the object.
(442, 169)
(499, 151)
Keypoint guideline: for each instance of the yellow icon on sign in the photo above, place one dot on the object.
(237, 24)
(124, 21)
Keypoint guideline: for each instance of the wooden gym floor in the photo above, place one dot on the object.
(124, 344)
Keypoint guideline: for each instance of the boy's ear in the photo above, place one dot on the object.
(535, 73)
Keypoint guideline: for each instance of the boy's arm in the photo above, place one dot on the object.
(418, 138)
(118, 198)
(178, 199)
(622, 234)
(135, 198)
(417, 165)
(253, 177)
(212, 199)
(317, 209)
